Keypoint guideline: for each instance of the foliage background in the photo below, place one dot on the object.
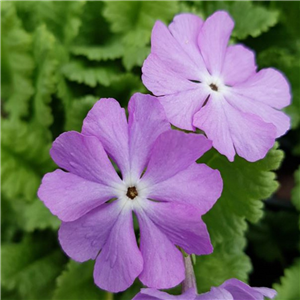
(57, 59)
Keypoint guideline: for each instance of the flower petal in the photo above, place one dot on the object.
(212, 120)
(267, 292)
(177, 59)
(69, 196)
(173, 152)
(240, 290)
(182, 225)
(229, 128)
(107, 121)
(152, 294)
(147, 121)
(268, 86)
(213, 40)
(270, 115)
(163, 262)
(161, 80)
(239, 64)
(120, 260)
(181, 107)
(84, 238)
(185, 28)
(83, 156)
(216, 294)
(198, 185)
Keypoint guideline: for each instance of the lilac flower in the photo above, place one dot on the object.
(231, 289)
(96, 205)
(202, 82)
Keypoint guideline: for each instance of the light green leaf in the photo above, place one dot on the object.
(245, 185)
(25, 158)
(78, 111)
(30, 268)
(288, 289)
(17, 63)
(135, 21)
(251, 19)
(227, 261)
(77, 283)
(91, 76)
(37, 216)
(127, 15)
(108, 51)
(46, 74)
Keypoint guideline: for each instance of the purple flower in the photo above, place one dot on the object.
(202, 82)
(231, 289)
(160, 182)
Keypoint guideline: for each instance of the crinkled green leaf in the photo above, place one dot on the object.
(25, 158)
(91, 76)
(245, 185)
(288, 289)
(61, 17)
(289, 63)
(37, 216)
(77, 283)
(30, 267)
(127, 15)
(251, 19)
(109, 51)
(78, 111)
(227, 261)
(16, 63)
(46, 74)
(135, 20)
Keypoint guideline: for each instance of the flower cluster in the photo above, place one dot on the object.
(117, 170)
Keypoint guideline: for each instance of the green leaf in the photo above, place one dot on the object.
(127, 15)
(245, 185)
(78, 111)
(30, 268)
(288, 289)
(25, 158)
(251, 19)
(37, 216)
(227, 261)
(135, 21)
(108, 51)
(46, 74)
(17, 63)
(62, 18)
(91, 76)
(77, 283)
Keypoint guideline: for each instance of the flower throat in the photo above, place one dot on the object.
(132, 192)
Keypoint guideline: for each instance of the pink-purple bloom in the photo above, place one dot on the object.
(160, 183)
(231, 289)
(202, 82)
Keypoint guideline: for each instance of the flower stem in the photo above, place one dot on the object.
(190, 280)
